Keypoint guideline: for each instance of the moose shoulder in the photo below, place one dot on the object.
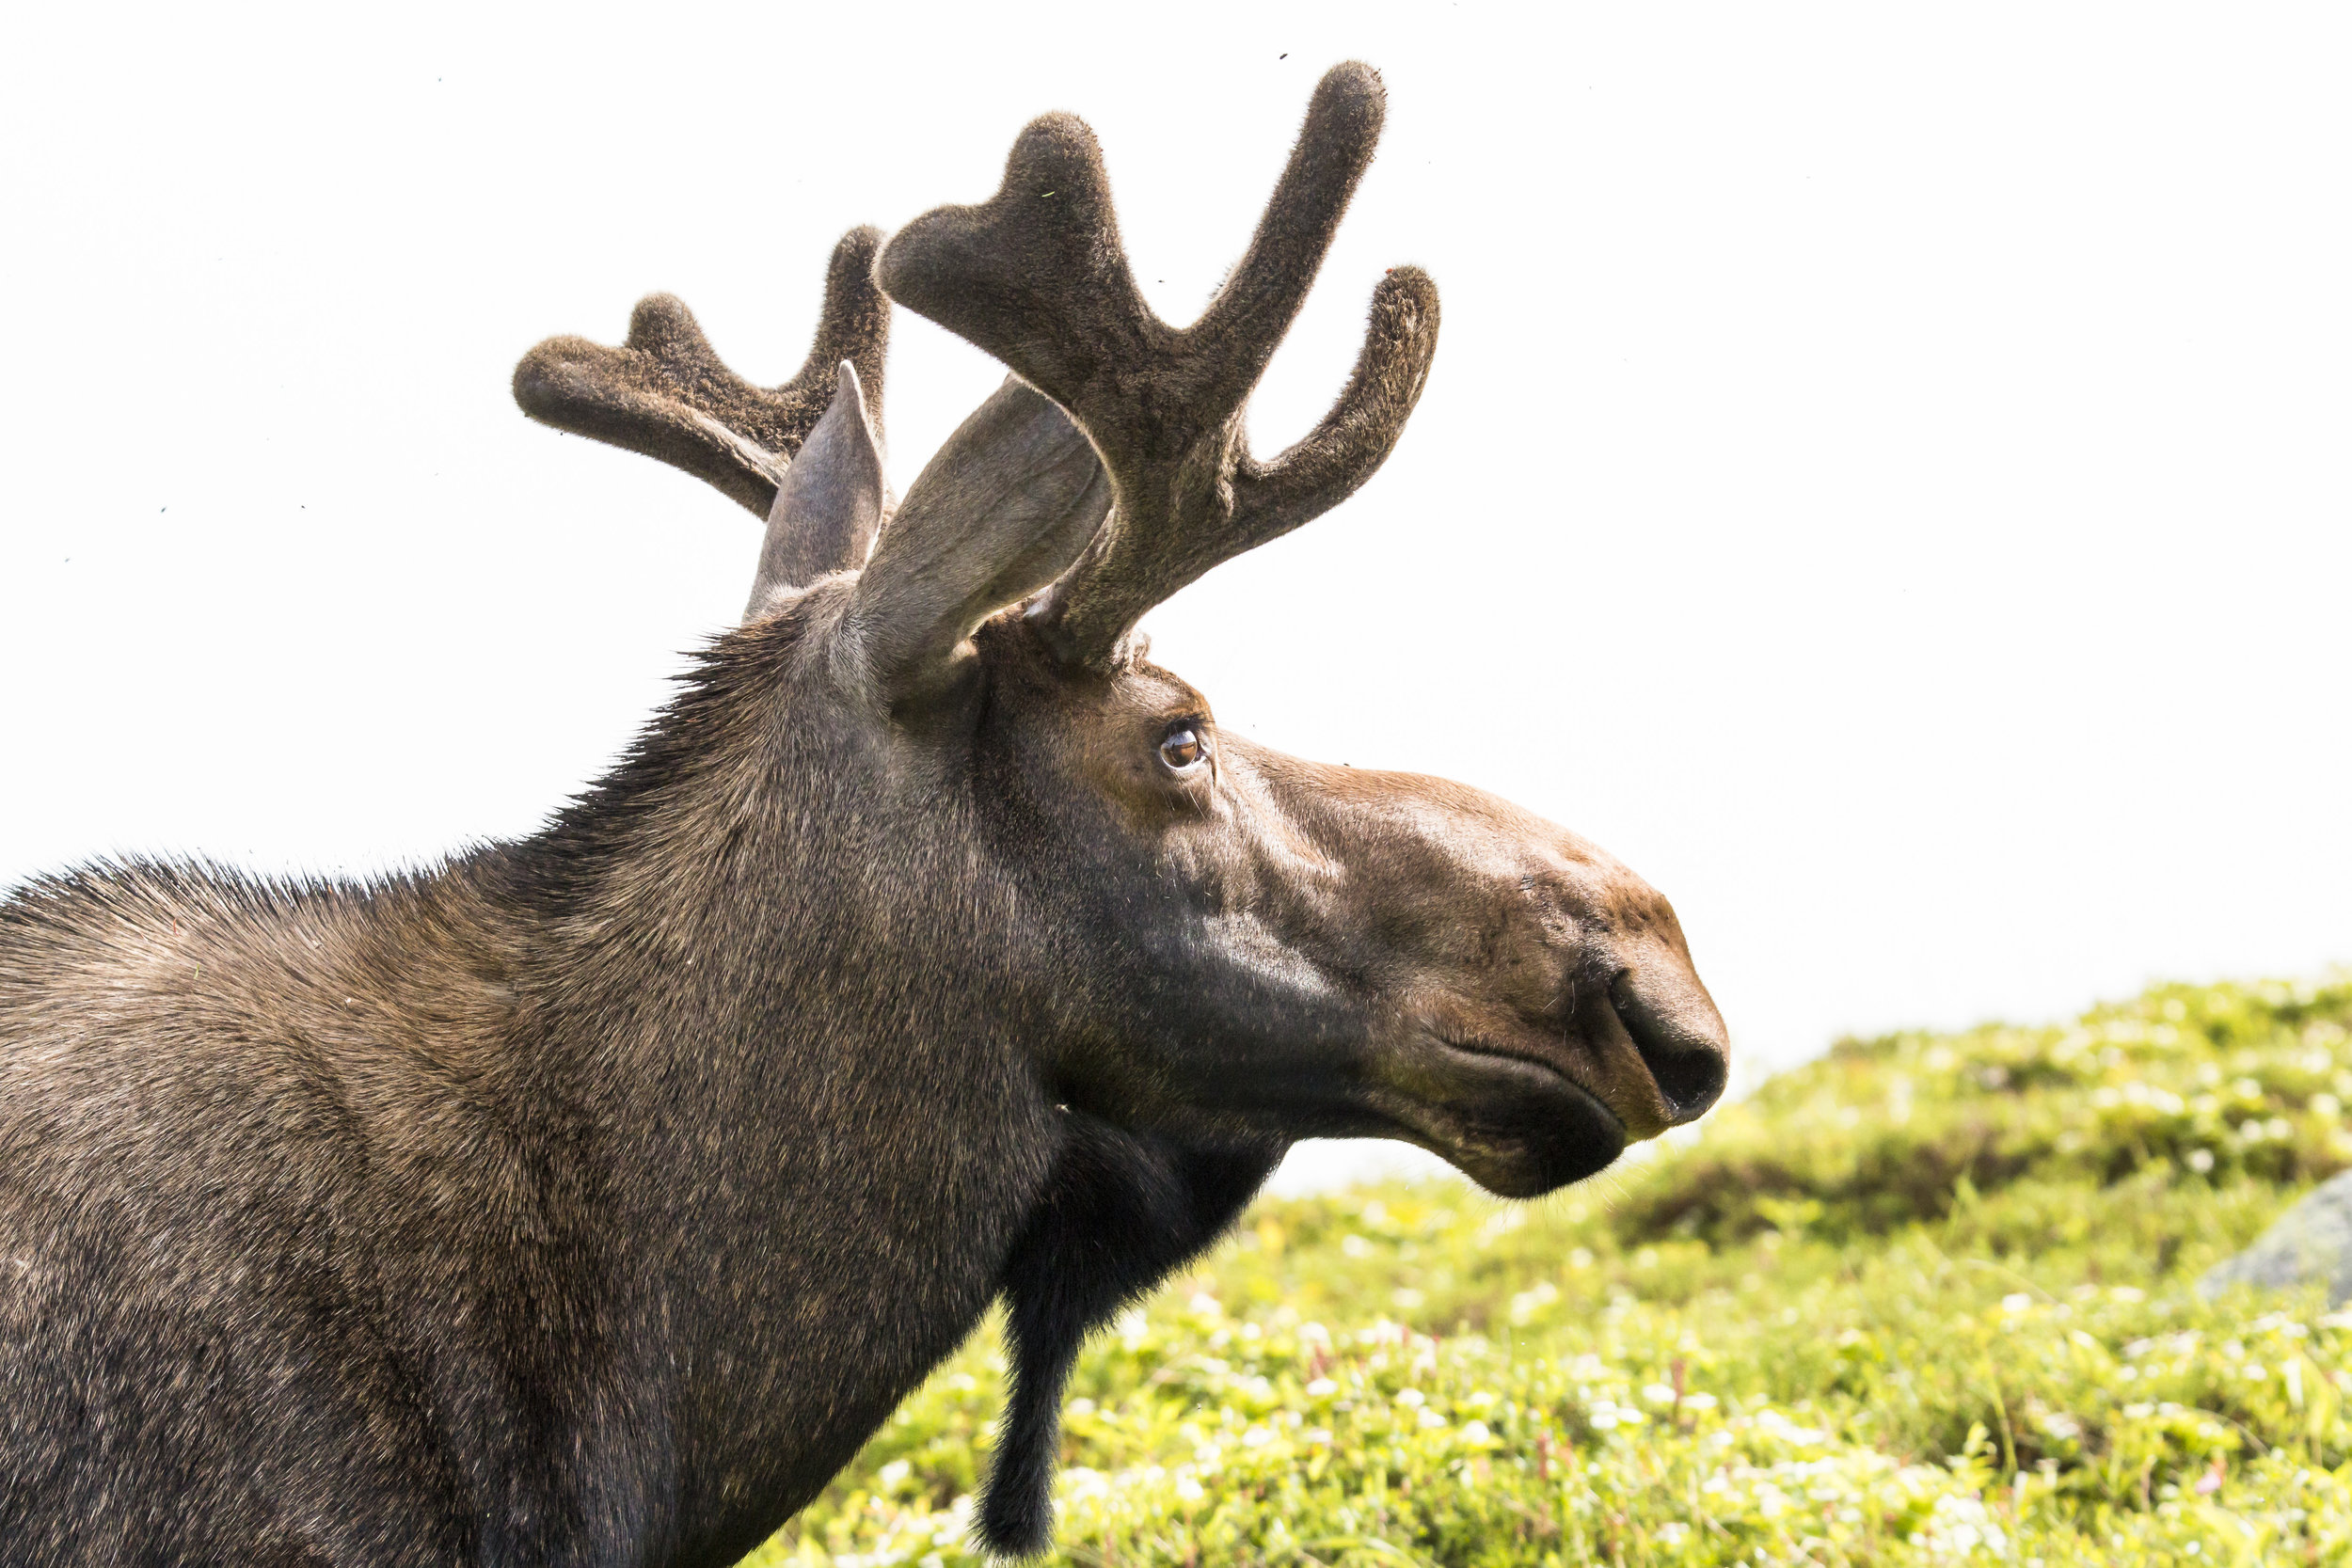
(591, 1198)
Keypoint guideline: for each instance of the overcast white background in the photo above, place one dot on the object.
(1885, 475)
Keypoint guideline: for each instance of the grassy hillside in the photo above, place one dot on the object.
(1926, 1300)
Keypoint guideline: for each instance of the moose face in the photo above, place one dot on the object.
(1248, 946)
(1312, 950)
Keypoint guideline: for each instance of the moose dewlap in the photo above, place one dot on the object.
(590, 1199)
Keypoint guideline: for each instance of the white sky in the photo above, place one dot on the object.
(1885, 475)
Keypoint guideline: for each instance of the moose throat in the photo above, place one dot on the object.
(591, 1198)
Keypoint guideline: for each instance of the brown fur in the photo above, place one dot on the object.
(589, 1199)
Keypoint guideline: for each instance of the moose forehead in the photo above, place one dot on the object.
(1133, 695)
(1100, 729)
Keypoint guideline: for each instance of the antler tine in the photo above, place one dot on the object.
(1247, 319)
(1129, 567)
(666, 394)
(1036, 276)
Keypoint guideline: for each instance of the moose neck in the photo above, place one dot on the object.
(817, 1152)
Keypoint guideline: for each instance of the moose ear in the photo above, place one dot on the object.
(1003, 510)
(829, 503)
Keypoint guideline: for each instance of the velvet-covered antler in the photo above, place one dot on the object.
(1036, 276)
(664, 392)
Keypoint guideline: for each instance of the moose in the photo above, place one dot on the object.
(589, 1199)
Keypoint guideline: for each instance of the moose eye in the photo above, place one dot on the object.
(1183, 748)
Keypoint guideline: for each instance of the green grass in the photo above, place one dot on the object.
(1926, 1300)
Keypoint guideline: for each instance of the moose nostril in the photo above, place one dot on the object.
(1683, 1047)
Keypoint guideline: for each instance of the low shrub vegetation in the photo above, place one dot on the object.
(1926, 1300)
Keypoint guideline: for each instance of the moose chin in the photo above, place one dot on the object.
(592, 1197)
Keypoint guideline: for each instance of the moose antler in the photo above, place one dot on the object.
(666, 393)
(1036, 276)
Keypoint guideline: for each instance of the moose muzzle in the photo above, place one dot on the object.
(1543, 1008)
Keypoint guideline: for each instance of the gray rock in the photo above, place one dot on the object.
(2310, 1242)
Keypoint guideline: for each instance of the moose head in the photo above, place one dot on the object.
(1245, 943)
(1207, 948)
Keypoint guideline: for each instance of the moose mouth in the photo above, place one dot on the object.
(1513, 1115)
(1515, 1123)
(1500, 1053)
